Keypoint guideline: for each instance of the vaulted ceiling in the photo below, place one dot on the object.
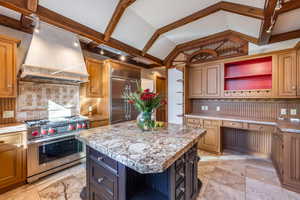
(154, 28)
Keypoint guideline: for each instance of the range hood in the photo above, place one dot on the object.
(53, 57)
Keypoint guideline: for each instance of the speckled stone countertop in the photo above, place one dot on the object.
(283, 125)
(12, 127)
(144, 152)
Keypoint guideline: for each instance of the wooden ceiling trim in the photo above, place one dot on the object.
(32, 5)
(58, 20)
(120, 9)
(13, 23)
(285, 36)
(226, 6)
(289, 6)
(267, 22)
(205, 41)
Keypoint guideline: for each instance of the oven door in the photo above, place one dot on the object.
(45, 156)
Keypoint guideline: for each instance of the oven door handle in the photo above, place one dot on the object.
(55, 141)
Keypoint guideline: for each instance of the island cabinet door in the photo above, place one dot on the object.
(191, 174)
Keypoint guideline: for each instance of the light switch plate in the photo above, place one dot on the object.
(218, 108)
(8, 114)
(206, 107)
(283, 111)
(202, 107)
(293, 111)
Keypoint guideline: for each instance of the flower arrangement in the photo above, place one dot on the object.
(146, 102)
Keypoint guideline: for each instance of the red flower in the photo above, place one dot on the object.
(147, 91)
(131, 101)
(147, 96)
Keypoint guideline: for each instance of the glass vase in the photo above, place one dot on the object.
(145, 121)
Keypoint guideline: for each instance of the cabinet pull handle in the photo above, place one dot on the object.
(100, 180)
(100, 158)
(2, 142)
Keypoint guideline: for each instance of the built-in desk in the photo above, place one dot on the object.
(278, 139)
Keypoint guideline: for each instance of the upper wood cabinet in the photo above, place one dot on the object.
(8, 83)
(298, 72)
(12, 159)
(94, 88)
(205, 81)
(196, 82)
(287, 72)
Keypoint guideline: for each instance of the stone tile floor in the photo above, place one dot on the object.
(231, 176)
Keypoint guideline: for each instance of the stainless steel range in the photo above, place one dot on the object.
(52, 145)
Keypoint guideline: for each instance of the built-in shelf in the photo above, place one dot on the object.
(254, 74)
(248, 76)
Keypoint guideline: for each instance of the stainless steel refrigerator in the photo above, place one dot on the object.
(123, 80)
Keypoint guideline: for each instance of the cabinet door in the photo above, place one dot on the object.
(287, 72)
(291, 176)
(210, 141)
(7, 69)
(94, 86)
(298, 73)
(212, 81)
(196, 82)
(12, 165)
(277, 153)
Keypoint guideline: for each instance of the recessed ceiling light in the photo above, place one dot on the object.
(101, 52)
(122, 57)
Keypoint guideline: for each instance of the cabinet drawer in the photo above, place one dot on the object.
(103, 160)
(232, 124)
(209, 123)
(259, 127)
(104, 181)
(94, 124)
(12, 138)
(193, 121)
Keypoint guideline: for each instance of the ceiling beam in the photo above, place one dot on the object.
(13, 23)
(32, 5)
(289, 6)
(120, 9)
(226, 6)
(205, 41)
(264, 36)
(285, 36)
(60, 21)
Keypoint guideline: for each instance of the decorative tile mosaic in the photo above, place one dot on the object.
(42, 101)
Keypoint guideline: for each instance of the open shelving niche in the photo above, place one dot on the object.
(254, 74)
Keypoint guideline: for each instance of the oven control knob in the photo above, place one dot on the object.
(44, 132)
(84, 125)
(71, 127)
(79, 126)
(35, 133)
(51, 130)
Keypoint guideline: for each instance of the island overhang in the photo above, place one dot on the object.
(144, 152)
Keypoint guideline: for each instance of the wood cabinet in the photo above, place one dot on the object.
(210, 141)
(98, 123)
(94, 88)
(8, 84)
(298, 72)
(13, 160)
(287, 72)
(286, 158)
(205, 81)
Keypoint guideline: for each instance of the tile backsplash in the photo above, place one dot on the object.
(42, 101)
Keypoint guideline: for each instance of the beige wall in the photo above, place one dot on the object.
(151, 74)
(25, 42)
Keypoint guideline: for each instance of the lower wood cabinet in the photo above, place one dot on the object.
(211, 140)
(12, 161)
(286, 158)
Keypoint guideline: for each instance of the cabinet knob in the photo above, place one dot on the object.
(9, 86)
(100, 180)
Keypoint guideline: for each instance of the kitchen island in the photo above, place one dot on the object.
(124, 163)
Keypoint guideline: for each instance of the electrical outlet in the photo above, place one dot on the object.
(206, 107)
(202, 107)
(283, 111)
(293, 111)
(8, 114)
(218, 108)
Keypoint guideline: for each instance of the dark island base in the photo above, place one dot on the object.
(109, 180)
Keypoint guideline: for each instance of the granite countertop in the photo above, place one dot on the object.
(144, 152)
(12, 127)
(283, 125)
